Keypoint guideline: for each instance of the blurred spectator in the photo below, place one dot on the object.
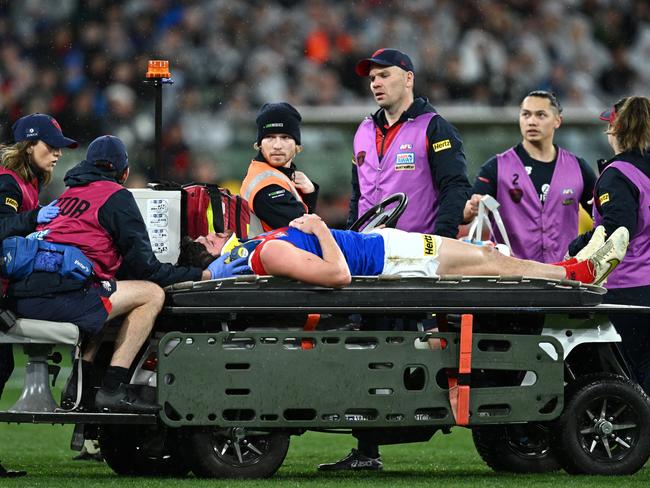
(84, 60)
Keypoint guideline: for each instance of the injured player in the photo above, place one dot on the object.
(310, 252)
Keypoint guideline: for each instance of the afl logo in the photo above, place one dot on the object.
(360, 158)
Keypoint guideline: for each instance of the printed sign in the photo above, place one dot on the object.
(405, 161)
(158, 224)
(429, 245)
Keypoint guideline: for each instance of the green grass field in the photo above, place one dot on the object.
(447, 460)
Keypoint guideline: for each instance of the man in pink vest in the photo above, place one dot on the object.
(407, 147)
(101, 218)
(539, 185)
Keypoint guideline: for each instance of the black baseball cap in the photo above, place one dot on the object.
(41, 127)
(110, 149)
(384, 57)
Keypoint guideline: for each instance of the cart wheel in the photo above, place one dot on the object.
(516, 448)
(604, 428)
(381, 215)
(142, 450)
(235, 453)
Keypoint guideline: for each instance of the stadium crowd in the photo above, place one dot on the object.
(83, 60)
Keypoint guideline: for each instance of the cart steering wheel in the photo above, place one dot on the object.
(381, 215)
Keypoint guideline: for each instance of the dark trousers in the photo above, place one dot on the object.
(6, 364)
(634, 330)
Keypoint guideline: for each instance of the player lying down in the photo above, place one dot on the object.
(310, 252)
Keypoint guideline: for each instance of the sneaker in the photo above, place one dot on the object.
(10, 473)
(90, 452)
(125, 399)
(595, 243)
(355, 461)
(610, 254)
(86, 456)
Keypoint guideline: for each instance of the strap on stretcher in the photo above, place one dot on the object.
(310, 324)
(459, 387)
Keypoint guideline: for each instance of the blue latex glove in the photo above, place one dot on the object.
(219, 268)
(47, 213)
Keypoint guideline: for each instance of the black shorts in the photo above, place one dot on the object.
(87, 308)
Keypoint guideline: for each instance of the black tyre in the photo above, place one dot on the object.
(516, 448)
(142, 450)
(604, 428)
(235, 453)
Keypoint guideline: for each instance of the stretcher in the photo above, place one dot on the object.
(239, 365)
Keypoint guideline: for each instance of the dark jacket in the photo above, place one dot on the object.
(12, 222)
(623, 202)
(121, 218)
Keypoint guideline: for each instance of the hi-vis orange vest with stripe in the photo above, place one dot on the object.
(261, 175)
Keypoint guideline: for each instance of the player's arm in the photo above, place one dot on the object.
(281, 258)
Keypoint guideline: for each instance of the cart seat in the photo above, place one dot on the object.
(38, 338)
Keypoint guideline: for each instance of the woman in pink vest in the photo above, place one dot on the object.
(622, 198)
(26, 167)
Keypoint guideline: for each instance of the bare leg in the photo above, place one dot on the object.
(141, 301)
(91, 347)
(460, 258)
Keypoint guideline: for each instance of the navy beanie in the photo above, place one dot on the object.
(278, 118)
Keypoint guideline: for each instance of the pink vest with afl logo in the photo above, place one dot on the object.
(403, 168)
(634, 270)
(78, 225)
(537, 230)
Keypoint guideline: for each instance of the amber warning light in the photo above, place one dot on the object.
(158, 69)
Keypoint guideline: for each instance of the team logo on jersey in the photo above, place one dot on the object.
(604, 198)
(12, 203)
(405, 161)
(567, 191)
(360, 158)
(429, 245)
(405, 147)
(441, 145)
(516, 194)
(568, 201)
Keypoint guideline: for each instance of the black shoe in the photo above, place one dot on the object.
(354, 461)
(125, 399)
(9, 473)
(69, 393)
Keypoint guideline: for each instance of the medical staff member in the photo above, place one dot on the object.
(26, 168)
(276, 191)
(622, 198)
(407, 147)
(539, 185)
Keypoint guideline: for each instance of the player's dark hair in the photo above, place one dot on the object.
(550, 96)
(632, 124)
(194, 254)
